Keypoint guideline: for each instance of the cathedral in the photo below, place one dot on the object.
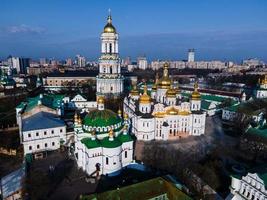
(109, 82)
(164, 114)
(102, 141)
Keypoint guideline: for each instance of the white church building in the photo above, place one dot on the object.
(164, 114)
(103, 144)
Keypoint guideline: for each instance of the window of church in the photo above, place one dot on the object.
(125, 154)
(45, 144)
(30, 147)
(38, 146)
(106, 161)
(53, 143)
(29, 135)
(37, 134)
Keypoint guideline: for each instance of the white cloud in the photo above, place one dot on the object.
(24, 29)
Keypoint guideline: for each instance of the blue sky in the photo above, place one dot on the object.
(161, 29)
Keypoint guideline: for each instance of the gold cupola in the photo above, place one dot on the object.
(171, 93)
(134, 91)
(145, 98)
(154, 87)
(195, 94)
(109, 28)
(172, 111)
(165, 81)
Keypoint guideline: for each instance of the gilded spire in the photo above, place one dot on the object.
(195, 94)
(165, 70)
(145, 98)
(111, 134)
(75, 117)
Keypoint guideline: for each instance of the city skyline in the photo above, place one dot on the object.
(223, 30)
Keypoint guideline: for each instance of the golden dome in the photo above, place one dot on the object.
(79, 120)
(154, 87)
(110, 133)
(119, 112)
(184, 112)
(134, 91)
(263, 80)
(109, 28)
(171, 92)
(172, 111)
(159, 114)
(165, 81)
(76, 117)
(145, 98)
(195, 94)
(100, 100)
(125, 116)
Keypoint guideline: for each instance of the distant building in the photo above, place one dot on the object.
(191, 55)
(81, 61)
(142, 63)
(68, 62)
(14, 62)
(24, 64)
(43, 61)
(252, 62)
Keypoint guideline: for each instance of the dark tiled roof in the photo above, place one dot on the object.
(41, 120)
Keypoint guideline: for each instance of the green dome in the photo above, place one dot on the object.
(101, 118)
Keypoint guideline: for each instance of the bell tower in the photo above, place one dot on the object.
(109, 81)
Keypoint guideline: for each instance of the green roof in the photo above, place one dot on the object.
(205, 104)
(50, 100)
(145, 190)
(116, 142)
(101, 118)
(90, 144)
(125, 138)
(232, 108)
(110, 144)
(258, 131)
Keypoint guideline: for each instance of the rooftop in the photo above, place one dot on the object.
(41, 120)
(143, 190)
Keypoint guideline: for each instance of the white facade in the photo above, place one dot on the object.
(109, 80)
(164, 116)
(142, 63)
(81, 61)
(79, 102)
(191, 55)
(106, 149)
(251, 187)
(40, 140)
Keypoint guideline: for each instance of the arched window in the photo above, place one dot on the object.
(106, 161)
(110, 48)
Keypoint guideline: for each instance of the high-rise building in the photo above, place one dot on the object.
(14, 63)
(24, 64)
(43, 61)
(191, 55)
(81, 61)
(69, 62)
(109, 81)
(142, 63)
